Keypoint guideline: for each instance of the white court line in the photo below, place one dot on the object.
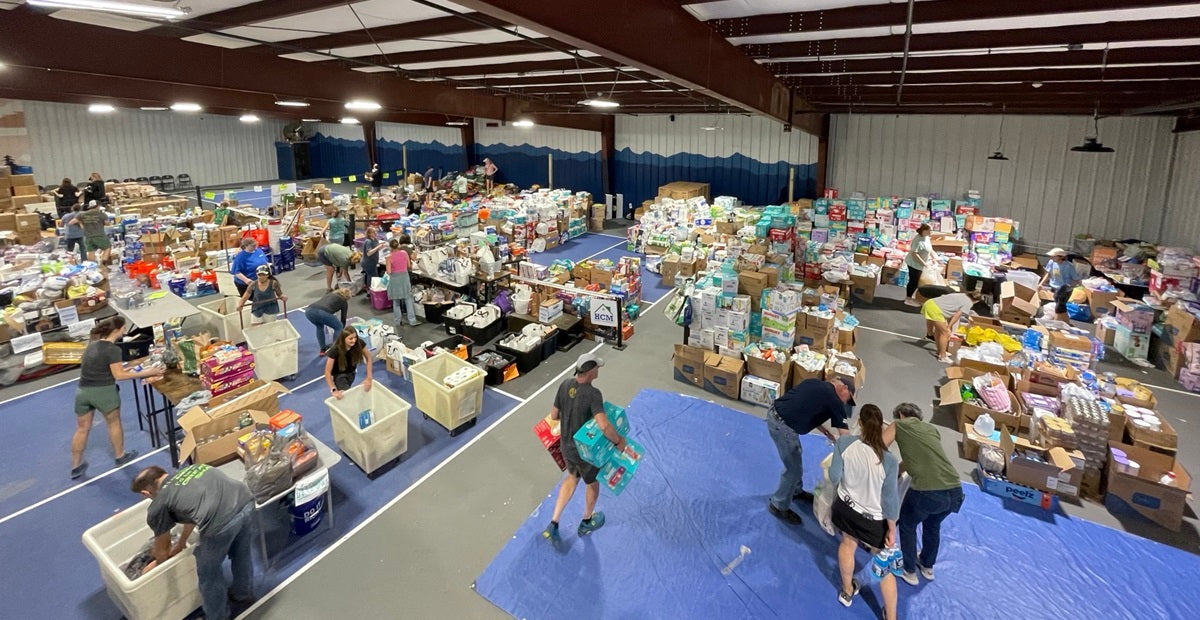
(1149, 385)
(512, 396)
(608, 235)
(601, 252)
(48, 387)
(337, 543)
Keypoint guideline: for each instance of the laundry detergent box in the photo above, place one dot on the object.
(621, 468)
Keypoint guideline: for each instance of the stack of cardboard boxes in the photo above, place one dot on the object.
(20, 228)
(17, 191)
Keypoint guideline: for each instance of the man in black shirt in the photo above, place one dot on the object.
(801, 410)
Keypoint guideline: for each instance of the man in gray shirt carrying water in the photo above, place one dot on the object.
(576, 402)
(201, 496)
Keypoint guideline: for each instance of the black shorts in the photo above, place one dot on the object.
(1061, 296)
(343, 382)
(849, 521)
(582, 469)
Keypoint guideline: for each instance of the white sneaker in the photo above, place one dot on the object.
(945, 359)
(910, 578)
(927, 573)
(911, 302)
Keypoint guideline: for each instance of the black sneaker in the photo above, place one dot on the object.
(126, 458)
(784, 515)
(78, 472)
(803, 496)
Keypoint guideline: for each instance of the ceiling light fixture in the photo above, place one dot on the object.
(249, 118)
(458, 123)
(101, 108)
(292, 104)
(523, 123)
(600, 102)
(359, 104)
(154, 108)
(1092, 144)
(186, 107)
(349, 120)
(999, 154)
(310, 120)
(111, 6)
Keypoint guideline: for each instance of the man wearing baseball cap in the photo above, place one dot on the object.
(576, 402)
(801, 410)
(1062, 279)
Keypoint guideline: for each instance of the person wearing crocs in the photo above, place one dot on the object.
(801, 410)
(865, 475)
(99, 372)
(202, 497)
(576, 402)
(956, 306)
(936, 490)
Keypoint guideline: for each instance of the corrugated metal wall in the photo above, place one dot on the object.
(337, 150)
(1052, 191)
(521, 154)
(68, 141)
(1182, 222)
(748, 158)
(437, 147)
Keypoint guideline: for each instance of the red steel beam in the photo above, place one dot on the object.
(633, 34)
(1115, 86)
(35, 41)
(1144, 30)
(931, 11)
(1186, 53)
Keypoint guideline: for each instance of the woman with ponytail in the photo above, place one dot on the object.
(99, 372)
(867, 503)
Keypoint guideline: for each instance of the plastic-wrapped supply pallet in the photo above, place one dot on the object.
(1091, 425)
(167, 591)
(1055, 432)
(453, 407)
(370, 427)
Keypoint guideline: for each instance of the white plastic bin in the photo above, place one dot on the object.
(276, 349)
(381, 442)
(450, 407)
(167, 592)
(222, 317)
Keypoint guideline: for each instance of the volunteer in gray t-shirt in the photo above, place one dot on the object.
(200, 496)
(99, 371)
(576, 402)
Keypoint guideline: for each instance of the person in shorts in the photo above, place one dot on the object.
(867, 506)
(263, 295)
(576, 402)
(93, 219)
(942, 315)
(1062, 278)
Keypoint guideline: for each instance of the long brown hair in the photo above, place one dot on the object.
(105, 328)
(344, 355)
(870, 429)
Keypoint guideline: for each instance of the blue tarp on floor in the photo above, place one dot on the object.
(699, 502)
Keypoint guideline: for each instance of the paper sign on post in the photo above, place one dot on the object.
(604, 312)
(337, 180)
(257, 188)
(81, 329)
(210, 195)
(387, 175)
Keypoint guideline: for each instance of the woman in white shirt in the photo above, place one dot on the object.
(867, 504)
(919, 258)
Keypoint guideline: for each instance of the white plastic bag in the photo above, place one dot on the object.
(823, 499)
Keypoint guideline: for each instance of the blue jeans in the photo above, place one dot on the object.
(787, 442)
(234, 540)
(322, 319)
(927, 509)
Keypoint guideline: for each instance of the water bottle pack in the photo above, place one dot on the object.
(889, 560)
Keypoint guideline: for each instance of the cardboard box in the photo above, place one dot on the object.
(1061, 473)
(954, 269)
(1138, 317)
(863, 287)
(8, 221)
(1026, 261)
(1144, 491)
(28, 222)
(1181, 325)
(21, 179)
(211, 437)
(1071, 342)
(1101, 301)
(25, 190)
(771, 371)
(549, 310)
(800, 374)
(723, 374)
(669, 268)
(817, 338)
(858, 378)
(772, 274)
(1018, 304)
(1163, 441)
(752, 283)
(689, 364)
(971, 442)
(1016, 492)
(1106, 335)
(547, 430)
(759, 391)
(844, 339)
(602, 277)
(950, 394)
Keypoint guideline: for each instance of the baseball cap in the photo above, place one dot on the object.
(586, 362)
(263, 270)
(849, 386)
(1057, 252)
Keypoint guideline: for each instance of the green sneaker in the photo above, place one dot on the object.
(551, 533)
(591, 525)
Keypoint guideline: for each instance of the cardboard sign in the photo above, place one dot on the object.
(68, 315)
(604, 312)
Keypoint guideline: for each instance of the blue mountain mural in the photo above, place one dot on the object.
(333, 157)
(526, 165)
(639, 175)
(421, 155)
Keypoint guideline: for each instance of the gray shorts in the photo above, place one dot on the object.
(582, 469)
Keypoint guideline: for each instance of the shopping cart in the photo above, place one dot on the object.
(275, 345)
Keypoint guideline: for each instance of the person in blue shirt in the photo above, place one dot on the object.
(801, 410)
(1061, 278)
(335, 229)
(245, 264)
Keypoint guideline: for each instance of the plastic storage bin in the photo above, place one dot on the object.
(550, 344)
(452, 343)
(380, 301)
(434, 312)
(168, 591)
(526, 360)
(225, 324)
(384, 440)
(484, 334)
(136, 346)
(276, 349)
(495, 374)
(454, 408)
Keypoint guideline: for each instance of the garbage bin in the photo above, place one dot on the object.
(455, 408)
(385, 436)
(167, 591)
(222, 317)
(276, 349)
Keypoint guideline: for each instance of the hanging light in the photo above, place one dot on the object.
(109, 6)
(458, 122)
(523, 123)
(363, 105)
(154, 108)
(249, 118)
(999, 154)
(292, 104)
(1092, 144)
(186, 107)
(349, 120)
(600, 102)
(101, 108)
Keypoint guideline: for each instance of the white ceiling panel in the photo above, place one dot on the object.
(217, 40)
(373, 69)
(741, 8)
(373, 13)
(479, 37)
(493, 60)
(107, 20)
(306, 57)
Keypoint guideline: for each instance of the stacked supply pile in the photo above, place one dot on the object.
(227, 368)
(1091, 424)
